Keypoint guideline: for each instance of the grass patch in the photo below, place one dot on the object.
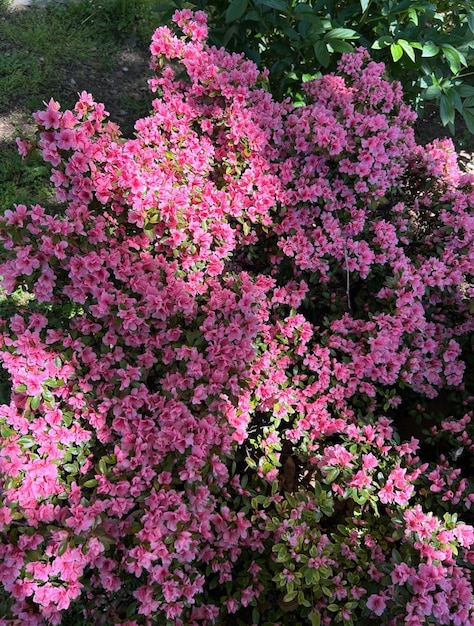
(23, 182)
(55, 51)
(39, 46)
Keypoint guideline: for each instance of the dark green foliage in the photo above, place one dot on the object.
(428, 46)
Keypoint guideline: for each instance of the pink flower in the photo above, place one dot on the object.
(377, 603)
(49, 118)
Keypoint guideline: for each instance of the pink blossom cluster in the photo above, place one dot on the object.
(230, 312)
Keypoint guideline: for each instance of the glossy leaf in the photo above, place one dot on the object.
(396, 51)
(235, 10)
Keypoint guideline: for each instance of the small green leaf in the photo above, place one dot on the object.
(341, 33)
(340, 46)
(364, 4)
(235, 10)
(446, 110)
(453, 57)
(455, 99)
(431, 93)
(302, 600)
(67, 419)
(6, 432)
(407, 48)
(332, 475)
(429, 49)
(396, 52)
(413, 15)
(279, 5)
(322, 54)
(35, 402)
(291, 595)
(26, 441)
(63, 547)
(470, 19)
(468, 115)
(292, 34)
(315, 618)
(382, 42)
(305, 12)
(47, 396)
(465, 91)
(396, 557)
(308, 577)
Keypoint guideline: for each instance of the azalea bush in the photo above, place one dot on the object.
(230, 318)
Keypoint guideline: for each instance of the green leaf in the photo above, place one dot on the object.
(67, 419)
(235, 10)
(431, 93)
(407, 48)
(63, 547)
(308, 577)
(315, 618)
(6, 432)
(413, 15)
(455, 99)
(322, 54)
(47, 396)
(466, 91)
(396, 51)
(468, 115)
(364, 4)
(291, 595)
(332, 475)
(292, 34)
(446, 110)
(26, 441)
(302, 601)
(340, 46)
(453, 57)
(396, 558)
(470, 19)
(341, 33)
(429, 49)
(382, 42)
(35, 402)
(279, 5)
(305, 12)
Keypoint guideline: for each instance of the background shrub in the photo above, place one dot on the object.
(427, 46)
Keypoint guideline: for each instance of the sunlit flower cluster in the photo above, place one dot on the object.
(230, 314)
